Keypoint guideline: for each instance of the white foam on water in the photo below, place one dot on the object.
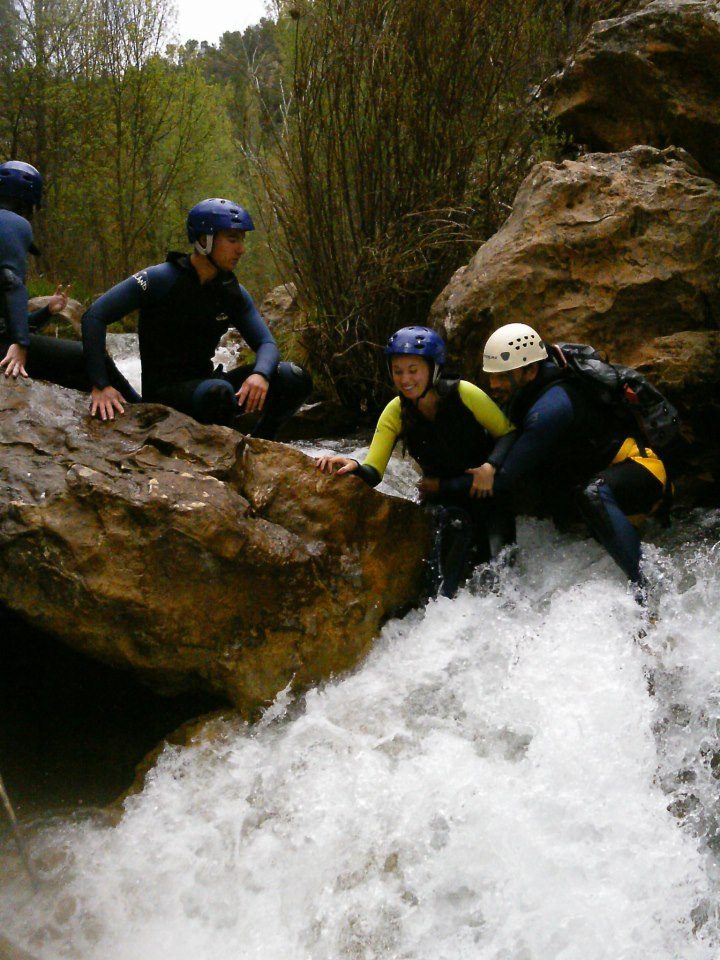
(492, 783)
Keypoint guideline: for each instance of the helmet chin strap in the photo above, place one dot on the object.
(206, 249)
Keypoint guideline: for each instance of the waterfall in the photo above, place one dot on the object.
(527, 774)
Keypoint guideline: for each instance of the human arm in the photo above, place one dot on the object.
(387, 431)
(56, 304)
(15, 300)
(116, 303)
(343, 465)
(256, 333)
(372, 469)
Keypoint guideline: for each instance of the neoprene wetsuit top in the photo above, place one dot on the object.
(560, 426)
(16, 241)
(460, 437)
(181, 323)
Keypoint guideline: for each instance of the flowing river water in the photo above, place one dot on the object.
(530, 774)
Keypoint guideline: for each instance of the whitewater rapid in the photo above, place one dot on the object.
(519, 775)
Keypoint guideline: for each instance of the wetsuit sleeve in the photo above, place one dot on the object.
(38, 318)
(15, 297)
(369, 474)
(384, 439)
(128, 295)
(544, 427)
(503, 446)
(256, 334)
(487, 413)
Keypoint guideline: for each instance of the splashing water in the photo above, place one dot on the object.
(523, 775)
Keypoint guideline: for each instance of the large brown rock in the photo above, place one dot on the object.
(652, 77)
(191, 554)
(618, 250)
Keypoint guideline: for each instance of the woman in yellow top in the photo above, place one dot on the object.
(459, 437)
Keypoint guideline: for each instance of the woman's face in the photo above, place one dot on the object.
(410, 375)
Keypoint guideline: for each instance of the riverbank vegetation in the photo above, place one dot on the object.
(377, 143)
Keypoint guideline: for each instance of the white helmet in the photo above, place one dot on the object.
(512, 346)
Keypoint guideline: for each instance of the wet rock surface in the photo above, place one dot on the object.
(652, 77)
(190, 554)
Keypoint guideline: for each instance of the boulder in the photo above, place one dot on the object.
(72, 313)
(282, 312)
(652, 77)
(192, 554)
(621, 251)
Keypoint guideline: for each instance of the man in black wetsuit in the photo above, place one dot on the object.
(578, 455)
(24, 353)
(186, 304)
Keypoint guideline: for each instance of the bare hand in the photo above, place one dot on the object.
(483, 480)
(336, 464)
(251, 395)
(428, 487)
(105, 402)
(58, 301)
(14, 362)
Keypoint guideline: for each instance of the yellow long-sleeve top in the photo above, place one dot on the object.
(485, 411)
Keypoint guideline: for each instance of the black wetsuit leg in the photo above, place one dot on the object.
(208, 401)
(622, 490)
(213, 400)
(469, 532)
(61, 361)
(289, 386)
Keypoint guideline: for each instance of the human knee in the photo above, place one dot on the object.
(214, 402)
(592, 501)
(294, 383)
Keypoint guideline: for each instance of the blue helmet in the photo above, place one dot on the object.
(209, 216)
(21, 183)
(419, 342)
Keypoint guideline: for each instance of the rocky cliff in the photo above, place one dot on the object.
(621, 249)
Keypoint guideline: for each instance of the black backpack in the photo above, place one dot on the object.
(650, 417)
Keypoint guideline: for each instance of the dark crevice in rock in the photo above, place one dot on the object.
(72, 730)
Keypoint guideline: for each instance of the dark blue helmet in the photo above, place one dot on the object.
(21, 183)
(419, 342)
(209, 216)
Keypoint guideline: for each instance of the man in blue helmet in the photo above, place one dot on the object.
(186, 304)
(23, 352)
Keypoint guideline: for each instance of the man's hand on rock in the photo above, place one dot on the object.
(251, 395)
(14, 362)
(104, 403)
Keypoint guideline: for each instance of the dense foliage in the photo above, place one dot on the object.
(377, 143)
(407, 132)
(128, 132)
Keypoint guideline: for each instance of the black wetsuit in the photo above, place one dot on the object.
(48, 358)
(581, 460)
(181, 323)
(471, 531)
